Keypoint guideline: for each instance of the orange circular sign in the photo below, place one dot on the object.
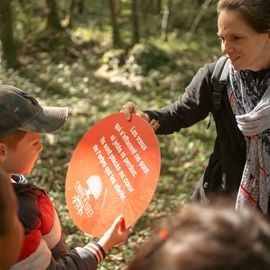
(114, 170)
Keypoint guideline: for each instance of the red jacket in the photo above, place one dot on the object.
(44, 245)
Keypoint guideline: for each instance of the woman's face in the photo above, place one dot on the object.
(245, 48)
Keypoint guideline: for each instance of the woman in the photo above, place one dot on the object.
(240, 162)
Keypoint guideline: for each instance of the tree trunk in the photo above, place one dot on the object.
(70, 15)
(80, 5)
(75, 6)
(53, 21)
(147, 6)
(135, 23)
(159, 6)
(6, 35)
(198, 18)
(165, 20)
(145, 10)
(115, 27)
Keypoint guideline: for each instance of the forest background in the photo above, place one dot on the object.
(94, 56)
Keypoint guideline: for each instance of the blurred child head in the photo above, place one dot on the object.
(209, 238)
(11, 230)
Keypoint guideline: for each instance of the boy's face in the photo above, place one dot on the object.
(23, 157)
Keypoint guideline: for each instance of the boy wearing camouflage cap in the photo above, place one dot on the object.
(22, 122)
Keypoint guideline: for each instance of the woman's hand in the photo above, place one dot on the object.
(130, 108)
(115, 235)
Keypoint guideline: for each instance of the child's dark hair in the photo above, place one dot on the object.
(12, 139)
(209, 238)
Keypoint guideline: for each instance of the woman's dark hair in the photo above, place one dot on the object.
(209, 238)
(255, 12)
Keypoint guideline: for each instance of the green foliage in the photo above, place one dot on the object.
(67, 69)
(148, 57)
(114, 58)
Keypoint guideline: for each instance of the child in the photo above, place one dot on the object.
(22, 122)
(11, 230)
(212, 237)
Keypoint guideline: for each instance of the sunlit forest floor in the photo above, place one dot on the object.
(78, 74)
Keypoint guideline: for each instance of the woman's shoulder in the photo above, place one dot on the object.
(209, 67)
(204, 73)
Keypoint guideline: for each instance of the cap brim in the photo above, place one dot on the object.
(49, 119)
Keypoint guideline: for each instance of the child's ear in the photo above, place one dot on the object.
(3, 152)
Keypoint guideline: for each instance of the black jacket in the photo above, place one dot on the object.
(224, 171)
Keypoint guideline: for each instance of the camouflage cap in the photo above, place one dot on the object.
(19, 110)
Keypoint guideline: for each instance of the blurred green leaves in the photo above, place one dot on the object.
(82, 72)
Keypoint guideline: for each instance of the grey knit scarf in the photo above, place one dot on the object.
(250, 102)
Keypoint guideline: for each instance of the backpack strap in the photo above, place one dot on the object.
(219, 80)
